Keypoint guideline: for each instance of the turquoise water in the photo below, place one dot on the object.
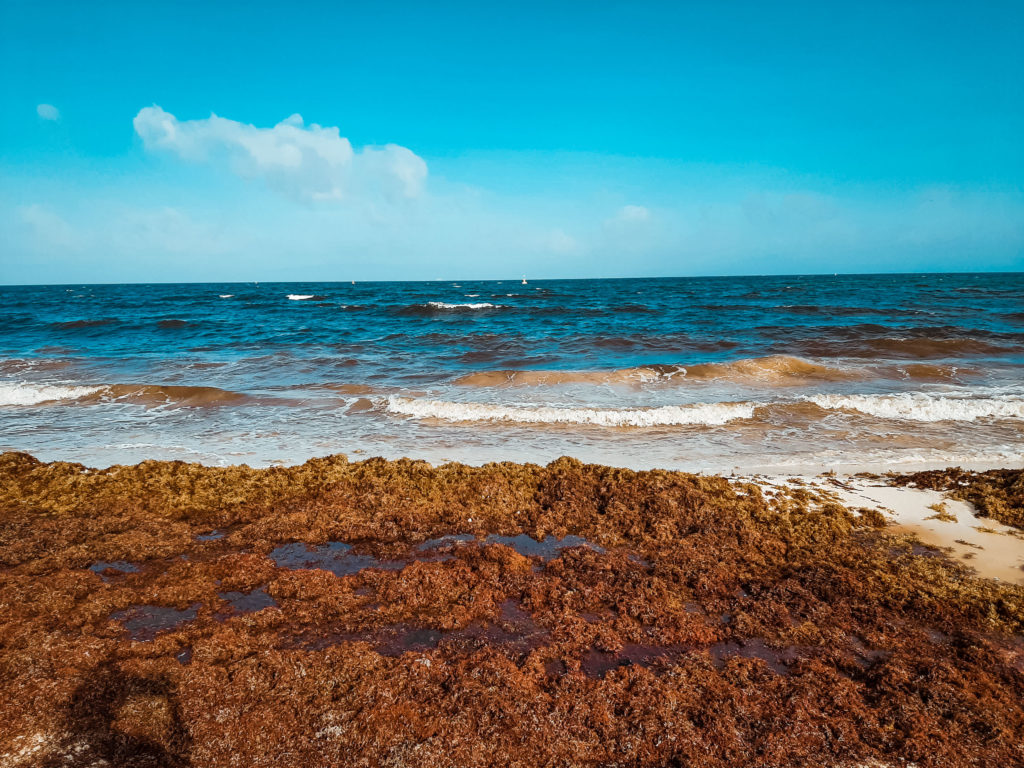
(694, 373)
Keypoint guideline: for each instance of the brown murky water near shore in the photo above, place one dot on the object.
(394, 613)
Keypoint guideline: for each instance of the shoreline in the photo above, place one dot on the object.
(436, 458)
(348, 612)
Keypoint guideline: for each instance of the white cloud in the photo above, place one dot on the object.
(48, 112)
(307, 163)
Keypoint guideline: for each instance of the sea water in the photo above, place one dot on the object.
(710, 374)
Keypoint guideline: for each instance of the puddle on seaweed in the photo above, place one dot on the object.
(338, 557)
(245, 602)
(777, 659)
(514, 629)
(446, 543)
(400, 638)
(548, 549)
(184, 656)
(597, 663)
(334, 556)
(144, 622)
(109, 569)
(214, 535)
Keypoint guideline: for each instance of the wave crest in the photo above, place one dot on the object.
(920, 406)
(778, 370)
(668, 415)
(436, 308)
(24, 393)
(20, 393)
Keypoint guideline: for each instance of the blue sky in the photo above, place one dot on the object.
(462, 140)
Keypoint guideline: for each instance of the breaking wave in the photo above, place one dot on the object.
(476, 305)
(18, 393)
(23, 393)
(700, 413)
(920, 406)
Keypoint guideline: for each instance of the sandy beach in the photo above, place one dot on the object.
(395, 613)
(524, 385)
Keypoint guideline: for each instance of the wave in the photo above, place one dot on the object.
(773, 369)
(710, 414)
(930, 372)
(442, 308)
(870, 340)
(171, 394)
(19, 365)
(20, 393)
(25, 393)
(173, 324)
(779, 370)
(921, 406)
(306, 297)
(477, 305)
(72, 325)
(923, 348)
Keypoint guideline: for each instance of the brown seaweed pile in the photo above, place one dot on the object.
(397, 614)
(997, 493)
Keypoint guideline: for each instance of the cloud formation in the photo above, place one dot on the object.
(306, 163)
(48, 112)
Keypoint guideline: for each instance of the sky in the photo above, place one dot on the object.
(194, 141)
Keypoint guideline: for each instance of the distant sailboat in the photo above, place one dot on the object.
(524, 279)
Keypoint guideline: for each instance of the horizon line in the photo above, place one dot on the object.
(514, 279)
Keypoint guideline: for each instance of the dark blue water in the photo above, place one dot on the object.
(689, 372)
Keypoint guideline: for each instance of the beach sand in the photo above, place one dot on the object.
(395, 613)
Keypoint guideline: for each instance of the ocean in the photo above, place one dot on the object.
(765, 374)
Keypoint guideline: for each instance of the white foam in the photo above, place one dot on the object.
(446, 305)
(229, 295)
(300, 296)
(921, 406)
(20, 393)
(698, 413)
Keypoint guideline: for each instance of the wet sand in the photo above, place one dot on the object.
(395, 613)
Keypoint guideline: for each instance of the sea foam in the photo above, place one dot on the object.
(667, 415)
(20, 393)
(921, 406)
(446, 305)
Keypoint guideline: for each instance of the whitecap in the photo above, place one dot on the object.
(22, 393)
(921, 406)
(446, 305)
(301, 296)
(667, 415)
